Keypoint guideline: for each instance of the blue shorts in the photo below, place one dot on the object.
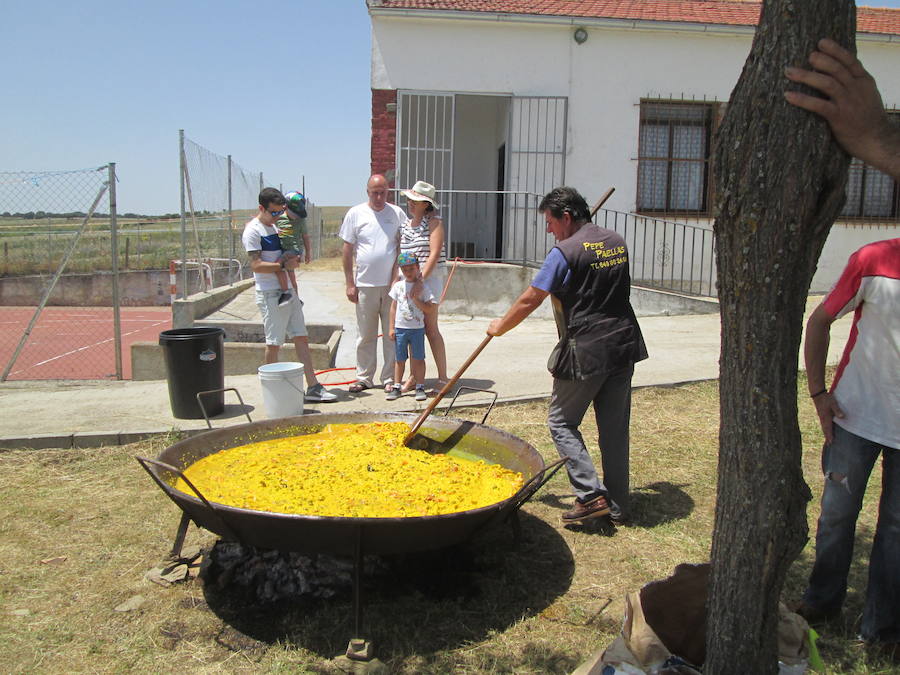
(410, 339)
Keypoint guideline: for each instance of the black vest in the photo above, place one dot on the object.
(598, 330)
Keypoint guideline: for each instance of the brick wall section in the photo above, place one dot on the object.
(384, 132)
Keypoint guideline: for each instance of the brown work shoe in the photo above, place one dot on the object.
(593, 509)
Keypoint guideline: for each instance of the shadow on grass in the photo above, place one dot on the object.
(651, 505)
(658, 503)
(418, 605)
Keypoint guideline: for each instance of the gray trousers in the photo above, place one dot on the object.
(611, 395)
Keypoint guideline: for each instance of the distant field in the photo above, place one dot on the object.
(36, 246)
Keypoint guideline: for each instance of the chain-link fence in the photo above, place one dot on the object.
(50, 223)
(217, 198)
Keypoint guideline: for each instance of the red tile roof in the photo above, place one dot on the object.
(722, 12)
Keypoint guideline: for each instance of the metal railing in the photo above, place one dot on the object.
(665, 254)
(505, 226)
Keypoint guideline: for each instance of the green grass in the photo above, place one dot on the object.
(487, 607)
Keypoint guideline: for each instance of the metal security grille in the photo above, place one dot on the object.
(497, 147)
(673, 157)
(871, 194)
(425, 142)
(536, 163)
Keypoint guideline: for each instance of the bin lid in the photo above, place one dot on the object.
(191, 333)
(281, 367)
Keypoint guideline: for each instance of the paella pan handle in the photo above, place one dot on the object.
(144, 461)
(484, 391)
(443, 392)
(537, 481)
(200, 394)
(532, 485)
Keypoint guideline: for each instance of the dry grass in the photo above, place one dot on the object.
(487, 607)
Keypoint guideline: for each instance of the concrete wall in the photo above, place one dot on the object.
(240, 358)
(187, 310)
(145, 288)
(488, 289)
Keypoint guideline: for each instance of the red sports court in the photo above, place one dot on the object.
(75, 343)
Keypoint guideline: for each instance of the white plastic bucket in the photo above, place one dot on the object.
(282, 388)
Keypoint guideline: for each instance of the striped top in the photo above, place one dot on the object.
(416, 240)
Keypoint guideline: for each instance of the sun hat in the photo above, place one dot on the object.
(407, 258)
(421, 192)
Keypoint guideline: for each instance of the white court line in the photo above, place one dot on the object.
(80, 349)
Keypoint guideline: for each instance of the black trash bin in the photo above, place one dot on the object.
(194, 363)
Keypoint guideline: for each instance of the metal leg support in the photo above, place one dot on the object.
(177, 545)
(360, 654)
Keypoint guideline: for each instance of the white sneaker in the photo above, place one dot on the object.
(318, 394)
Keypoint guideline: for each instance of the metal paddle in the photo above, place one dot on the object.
(443, 392)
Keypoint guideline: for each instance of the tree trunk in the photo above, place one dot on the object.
(781, 183)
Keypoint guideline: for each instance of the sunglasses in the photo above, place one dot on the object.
(276, 213)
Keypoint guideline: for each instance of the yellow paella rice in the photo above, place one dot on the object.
(352, 470)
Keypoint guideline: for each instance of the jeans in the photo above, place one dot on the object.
(847, 463)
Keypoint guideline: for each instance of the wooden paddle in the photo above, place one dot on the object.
(602, 201)
(443, 392)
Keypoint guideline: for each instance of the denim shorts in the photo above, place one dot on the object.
(410, 339)
(280, 321)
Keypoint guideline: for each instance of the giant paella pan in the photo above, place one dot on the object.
(348, 535)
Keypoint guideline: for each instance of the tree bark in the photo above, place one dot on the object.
(781, 183)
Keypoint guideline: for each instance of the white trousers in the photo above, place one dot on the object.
(374, 304)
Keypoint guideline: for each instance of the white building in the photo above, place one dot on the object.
(524, 95)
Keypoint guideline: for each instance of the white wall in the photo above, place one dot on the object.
(604, 79)
(842, 242)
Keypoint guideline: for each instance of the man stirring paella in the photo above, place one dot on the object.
(587, 275)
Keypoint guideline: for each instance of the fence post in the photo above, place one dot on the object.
(182, 169)
(230, 214)
(114, 243)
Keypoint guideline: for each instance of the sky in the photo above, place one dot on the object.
(281, 86)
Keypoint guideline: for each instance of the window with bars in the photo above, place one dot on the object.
(871, 194)
(673, 157)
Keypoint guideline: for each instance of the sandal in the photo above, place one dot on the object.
(357, 387)
(409, 385)
(387, 387)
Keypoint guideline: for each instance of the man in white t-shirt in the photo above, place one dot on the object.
(263, 247)
(370, 234)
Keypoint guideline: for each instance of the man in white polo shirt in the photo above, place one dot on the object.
(263, 247)
(370, 234)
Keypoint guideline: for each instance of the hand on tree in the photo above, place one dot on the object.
(852, 107)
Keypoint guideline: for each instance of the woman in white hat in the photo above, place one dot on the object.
(423, 236)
